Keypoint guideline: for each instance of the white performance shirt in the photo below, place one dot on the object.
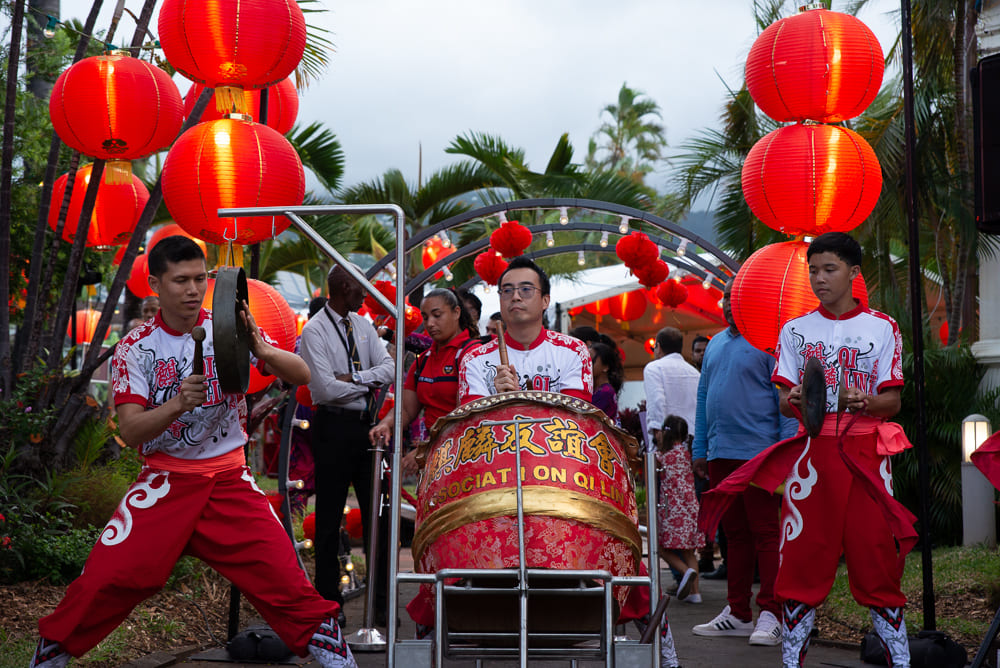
(147, 369)
(554, 362)
(864, 343)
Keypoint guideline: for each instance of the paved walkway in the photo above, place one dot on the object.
(694, 651)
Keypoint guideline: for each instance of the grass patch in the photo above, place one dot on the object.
(966, 596)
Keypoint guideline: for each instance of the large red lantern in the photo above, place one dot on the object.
(231, 163)
(772, 287)
(229, 45)
(597, 307)
(811, 179)
(272, 314)
(628, 306)
(510, 239)
(489, 266)
(819, 65)
(116, 210)
(282, 105)
(170, 230)
(138, 278)
(671, 293)
(116, 108)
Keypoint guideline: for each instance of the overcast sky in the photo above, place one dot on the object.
(408, 73)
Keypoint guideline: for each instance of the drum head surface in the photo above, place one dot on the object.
(231, 337)
(813, 396)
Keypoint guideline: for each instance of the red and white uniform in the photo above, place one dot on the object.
(553, 362)
(194, 496)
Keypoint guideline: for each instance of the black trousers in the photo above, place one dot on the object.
(342, 456)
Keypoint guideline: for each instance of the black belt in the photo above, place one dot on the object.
(361, 415)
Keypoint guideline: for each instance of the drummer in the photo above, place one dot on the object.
(548, 361)
(539, 359)
(432, 387)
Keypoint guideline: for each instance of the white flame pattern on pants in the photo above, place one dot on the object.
(796, 489)
(142, 495)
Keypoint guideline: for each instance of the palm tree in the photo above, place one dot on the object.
(629, 142)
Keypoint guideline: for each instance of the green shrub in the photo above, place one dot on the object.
(44, 547)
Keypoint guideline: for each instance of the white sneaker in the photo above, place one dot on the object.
(768, 631)
(684, 588)
(693, 598)
(49, 654)
(724, 625)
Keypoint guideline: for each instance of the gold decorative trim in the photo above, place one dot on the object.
(538, 501)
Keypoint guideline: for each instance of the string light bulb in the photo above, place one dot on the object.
(304, 544)
(448, 276)
(503, 217)
(707, 283)
(580, 259)
(346, 579)
(623, 225)
(50, 27)
(445, 240)
(682, 248)
(349, 566)
(604, 240)
(563, 216)
(550, 240)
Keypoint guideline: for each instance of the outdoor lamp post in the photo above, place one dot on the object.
(978, 515)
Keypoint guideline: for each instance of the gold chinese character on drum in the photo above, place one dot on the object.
(576, 474)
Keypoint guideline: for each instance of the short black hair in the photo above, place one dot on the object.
(699, 339)
(496, 316)
(172, 249)
(675, 430)
(670, 340)
(316, 305)
(523, 262)
(840, 244)
(469, 299)
(585, 333)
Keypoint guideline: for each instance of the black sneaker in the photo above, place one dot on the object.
(720, 573)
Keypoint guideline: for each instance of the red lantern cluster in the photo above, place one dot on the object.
(671, 293)
(231, 163)
(826, 67)
(489, 266)
(388, 289)
(282, 105)
(230, 45)
(116, 210)
(435, 249)
(510, 239)
(653, 273)
(772, 287)
(642, 257)
(412, 319)
(116, 108)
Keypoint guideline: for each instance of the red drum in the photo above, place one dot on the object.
(579, 500)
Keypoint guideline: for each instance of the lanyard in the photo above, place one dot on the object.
(347, 348)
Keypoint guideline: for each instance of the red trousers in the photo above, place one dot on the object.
(225, 521)
(751, 526)
(827, 512)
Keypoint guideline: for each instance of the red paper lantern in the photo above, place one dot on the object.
(819, 65)
(435, 249)
(671, 293)
(352, 523)
(116, 108)
(138, 278)
(116, 210)
(628, 306)
(599, 307)
(412, 319)
(282, 105)
(231, 163)
(388, 290)
(303, 396)
(636, 250)
(86, 325)
(652, 274)
(811, 179)
(510, 239)
(489, 266)
(229, 45)
(309, 526)
(772, 287)
(575, 311)
(650, 344)
(170, 230)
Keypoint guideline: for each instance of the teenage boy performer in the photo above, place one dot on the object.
(195, 494)
(837, 497)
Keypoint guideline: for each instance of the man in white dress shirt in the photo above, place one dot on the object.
(671, 383)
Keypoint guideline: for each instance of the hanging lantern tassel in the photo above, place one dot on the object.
(117, 172)
(230, 99)
(232, 256)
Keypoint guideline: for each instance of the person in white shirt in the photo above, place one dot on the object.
(671, 383)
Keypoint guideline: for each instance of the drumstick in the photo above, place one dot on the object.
(198, 364)
(501, 343)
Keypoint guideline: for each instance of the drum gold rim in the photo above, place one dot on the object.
(538, 501)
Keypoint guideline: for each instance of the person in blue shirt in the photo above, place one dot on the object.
(737, 416)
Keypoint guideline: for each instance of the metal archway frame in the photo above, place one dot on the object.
(593, 206)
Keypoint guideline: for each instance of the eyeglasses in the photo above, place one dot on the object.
(526, 291)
